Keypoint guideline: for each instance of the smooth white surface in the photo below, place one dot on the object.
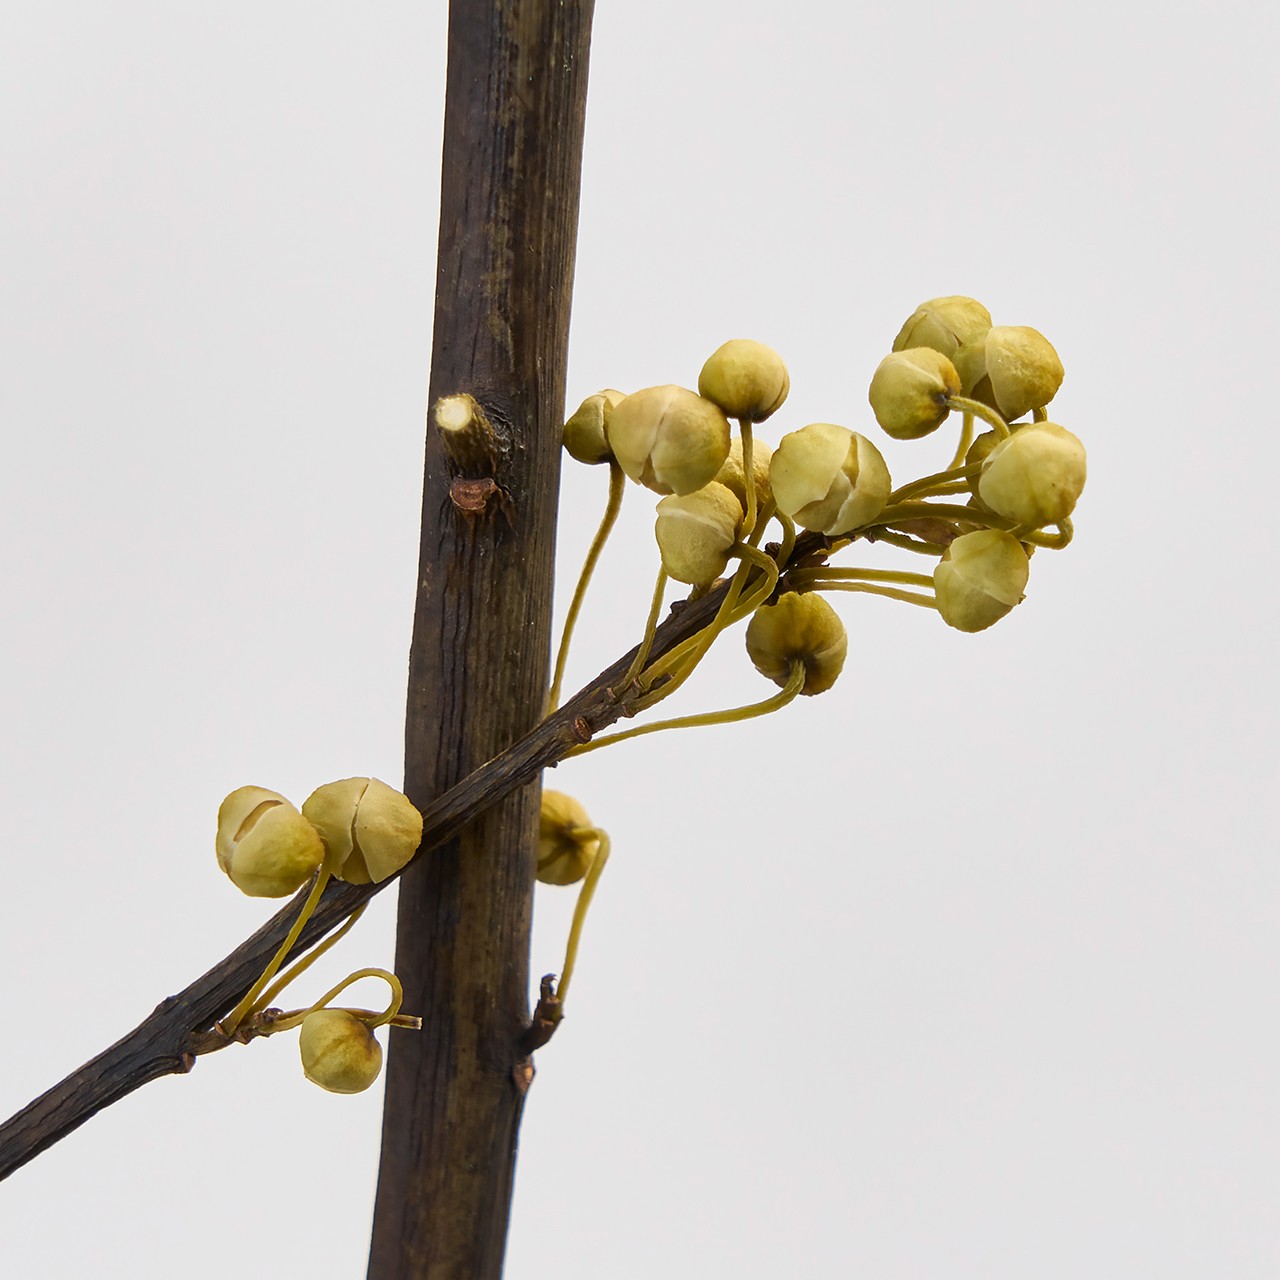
(966, 969)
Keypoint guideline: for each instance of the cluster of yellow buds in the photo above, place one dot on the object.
(365, 829)
(1006, 492)
(1018, 481)
(359, 830)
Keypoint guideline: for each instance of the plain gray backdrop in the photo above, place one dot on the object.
(965, 969)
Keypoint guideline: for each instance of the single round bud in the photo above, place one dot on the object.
(828, 478)
(566, 843)
(264, 844)
(980, 578)
(945, 324)
(1014, 369)
(798, 628)
(1036, 476)
(584, 433)
(668, 439)
(746, 379)
(695, 533)
(909, 391)
(339, 1051)
(731, 474)
(370, 829)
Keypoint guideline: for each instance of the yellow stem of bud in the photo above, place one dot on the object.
(617, 486)
(1052, 541)
(748, 478)
(966, 439)
(952, 480)
(296, 1016)
(902, 511)
(795, 682)
(650, 630)
(237, 1015)
(585, 894)
(820, 578)
(980, 410)
(266, 999)
(910, 597)
(682, 660)
(907, 544)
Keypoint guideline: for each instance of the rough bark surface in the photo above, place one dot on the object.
(514, 116)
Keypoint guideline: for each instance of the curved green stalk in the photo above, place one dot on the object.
(617, 486)
(682, 660)
(237, 1015)
(585, 895)
(822, 577)
(748, 477)
(939, 482)
(1053, 542)
(966, 439)
(795, 682)
(910, 597)
(302, 965)
(905, 543)
(296, 1016)
(650, 630)
(980, 410)
(903, 511)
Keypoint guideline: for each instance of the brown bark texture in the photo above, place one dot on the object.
(514, 117)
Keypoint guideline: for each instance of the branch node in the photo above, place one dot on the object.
(546, 1018)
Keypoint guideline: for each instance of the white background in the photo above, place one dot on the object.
(965, 969)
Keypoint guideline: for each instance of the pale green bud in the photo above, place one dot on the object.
(696, 532)
(567, 844)
(909, 391)
(1035, 476)
(1014, 369)
(264, 844)
(370, 829)
(980, 578)
(798, 628)
(668, 439)
(731, 474)
(828, 478)
(339, 1051)
(584, 433)
(746, 379)
(945, 324)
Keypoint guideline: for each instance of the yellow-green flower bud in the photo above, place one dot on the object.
(370, 829)
(798, 628)
(584, 433)
(731, 475)
(264, 844)
(746, 379)
(567, 843)
(1035, 476)
(828, 478)
(339, 1051)
(696, 532)
(945, 324)
(1014, 369)
(980, 578)
(909, 391)
(668, 439)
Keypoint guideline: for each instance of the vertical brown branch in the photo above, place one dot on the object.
(514, 115)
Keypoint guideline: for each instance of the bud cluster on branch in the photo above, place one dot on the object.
(1009, 489)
